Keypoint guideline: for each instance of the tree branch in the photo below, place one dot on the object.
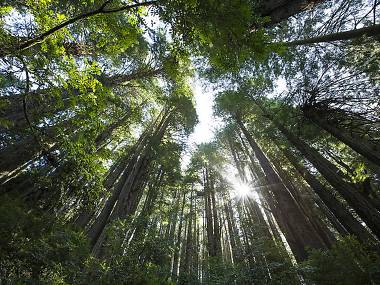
(40, 38)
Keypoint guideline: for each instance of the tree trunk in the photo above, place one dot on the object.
(333, 175)
(209, 225)
(178, 242)
(138, 74)
(101, 221)
(297, 229)
(138, 161)
(148, 207)
(351, 224)
(306, 205)
(215, 216)
(371, 31)
(280, 10)
(186, 266)
(129, 195)
(234, 233)
(86, 214)
(361, 145)
(248, 250)
(126, 204)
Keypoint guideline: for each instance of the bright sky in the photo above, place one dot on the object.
(204, 100)
(204, 131)
(207, 123)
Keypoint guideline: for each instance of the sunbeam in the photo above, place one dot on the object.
(242, 190)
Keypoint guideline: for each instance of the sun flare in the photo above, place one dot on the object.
(242, 190)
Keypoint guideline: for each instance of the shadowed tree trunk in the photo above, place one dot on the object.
(235, 241)
(101, 220)
(86, 214)
(280, 10)
(127, 191)
(188, 247)
(371, 31)
(149, 205)
(361, 145)
(352, 225)
(296, 228)
(306, 205)
(209, 225)
(333, 175)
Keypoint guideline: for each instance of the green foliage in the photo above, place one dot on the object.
(35, 248)
(220, 30)
(181, 98)
(219, 272)
(76, 106)
(232, 103)
(348, 262)
(365, 57)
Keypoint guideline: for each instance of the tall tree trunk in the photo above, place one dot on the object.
(248, 254)
(306, 205)
(186, 265)
(296, 228)
(101, 221)
(351, 224)
(126, 204)
(148, 207)
(178, 242)
(132, 177)
(195, 244)
(371, 31)
(209, 225)
(233, 232)
(86, 214)
(361, 145)
(257, 233)
(333, 175)
(216, 235)
(121, 79)
(237, 160)
(280, 10)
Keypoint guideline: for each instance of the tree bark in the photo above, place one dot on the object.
(149, 204)
(280, 10)
(351, 224)
(209, 225)
(235, 241)
(306, 205)
(361, 145)
(333, 175)
(138, 158)
(371, 31)
(178, 242)
(186, 266)
(297, 230)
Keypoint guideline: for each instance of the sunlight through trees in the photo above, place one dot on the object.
(190, 142)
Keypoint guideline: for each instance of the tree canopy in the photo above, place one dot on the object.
(101, 181)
